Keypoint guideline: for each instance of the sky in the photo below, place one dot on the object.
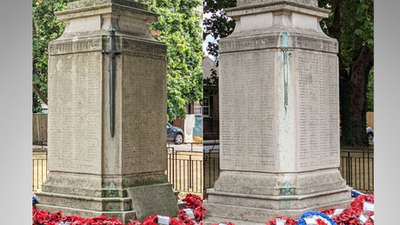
(208, 39)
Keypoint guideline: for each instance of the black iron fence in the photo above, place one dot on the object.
(210, 164)
(196, 172)
(356, 167)
(184, 171)
(39, 170)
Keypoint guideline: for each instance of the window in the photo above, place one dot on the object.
(197, 109)
(206, 107)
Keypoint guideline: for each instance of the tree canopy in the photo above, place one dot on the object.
(351, 22)
(45, 28)
(178, 27)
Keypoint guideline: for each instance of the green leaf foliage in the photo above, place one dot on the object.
(179, 28)
(351, 22)
(45, 28)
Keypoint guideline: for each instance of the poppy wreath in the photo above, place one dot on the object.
(182, 216)
(287, 222)
(192, 201)
(44, 217)
(151, 220)
(358, 203)
(329, 211)
(321, 218)
(355, 193)
(369, 221)
(199, 213)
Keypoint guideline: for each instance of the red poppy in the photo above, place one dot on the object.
(288, 221)
(41, 219)
(174, 221)
(151, 220)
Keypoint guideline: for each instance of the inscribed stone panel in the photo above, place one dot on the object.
(75, 113)
(318, 110)
(247, 99)
(143, 114)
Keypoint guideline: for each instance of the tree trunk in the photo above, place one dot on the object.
(39, 93)
(356, 91)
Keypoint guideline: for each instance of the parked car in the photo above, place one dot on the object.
(370, 134)
(174, 134)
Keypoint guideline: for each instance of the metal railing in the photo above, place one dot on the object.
(184, 171)
(357, 168)
(188, 173)
(39, 170)
(210, 164)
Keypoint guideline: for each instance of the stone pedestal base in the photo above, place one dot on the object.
(152, 195)
(260, 197)
(251, 209)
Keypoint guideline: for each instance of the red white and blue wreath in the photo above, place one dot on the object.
(318, 217)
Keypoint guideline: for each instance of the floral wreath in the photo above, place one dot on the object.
(321, 218)
(288, 221)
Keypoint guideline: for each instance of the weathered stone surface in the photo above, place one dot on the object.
(271, 184)
(86, 3)
(90, 172)
(313, 3)
(279, 114)
(153, 200)
(243, 215)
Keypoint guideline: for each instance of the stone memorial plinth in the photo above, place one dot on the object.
(107, 115)
(279, 115)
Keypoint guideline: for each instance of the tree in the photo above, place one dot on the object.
(351, 23)
(45, 28)
(217, 26)
(178, 27)
(370, 91)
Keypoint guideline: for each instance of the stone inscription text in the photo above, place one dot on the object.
(132, 25)
(144, 48)
(83, 45)
(318, 110)
(246, 111)
(75, 118)
(143, 107)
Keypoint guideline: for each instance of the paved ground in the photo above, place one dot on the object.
(213, 220)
